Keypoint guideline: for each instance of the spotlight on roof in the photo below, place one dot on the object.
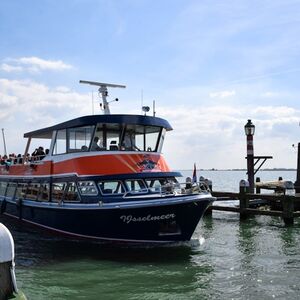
(145, 109)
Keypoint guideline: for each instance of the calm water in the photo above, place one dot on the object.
(227, 259)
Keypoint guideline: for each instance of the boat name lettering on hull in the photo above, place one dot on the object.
(130, 218)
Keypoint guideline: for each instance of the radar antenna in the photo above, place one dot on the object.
(104, 93)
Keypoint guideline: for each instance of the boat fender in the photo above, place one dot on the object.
(3, 206)
(8, 284)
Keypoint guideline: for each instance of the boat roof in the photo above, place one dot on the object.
(94, 119)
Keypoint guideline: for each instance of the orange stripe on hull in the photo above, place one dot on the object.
(112, 164)
(92, 165)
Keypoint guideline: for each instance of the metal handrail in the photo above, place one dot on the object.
(170, 189)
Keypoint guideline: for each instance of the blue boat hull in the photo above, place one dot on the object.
(159, 221)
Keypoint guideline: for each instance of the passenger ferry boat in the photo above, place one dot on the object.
(105, 178)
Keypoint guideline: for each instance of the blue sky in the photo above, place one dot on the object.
(210, 66)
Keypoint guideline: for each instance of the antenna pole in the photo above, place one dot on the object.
(93, 103)
(142, 99)
(4, 143)
(104, 94)
(154, 112)
(103, 91)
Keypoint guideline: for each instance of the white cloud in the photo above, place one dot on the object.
(28, 105)
(269, 95)
(43, 64)
(33, 64)
(210, 135)
(222, 94)
(10, 68)
(213, 136)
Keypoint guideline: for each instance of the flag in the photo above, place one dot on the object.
(194, 175)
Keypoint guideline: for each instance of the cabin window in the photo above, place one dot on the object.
(58, 189)
(136, 185)
(44, 192)
(161, 140)
(21, 190)
(11, 189)
(71, 193)
(107, 137)
(151, 137)
(3, 186)
(113, 137)
(111, 187)
(60, 145)
(87, 188)
(140, 138)
(155, 184)
(32, 191)
(99, 142)
(133, 138)
(80, 138)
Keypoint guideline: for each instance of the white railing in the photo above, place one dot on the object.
(175, 189)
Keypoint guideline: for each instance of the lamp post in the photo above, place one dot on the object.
(297, 183)
(249, 131)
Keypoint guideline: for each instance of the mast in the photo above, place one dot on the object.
(104, 93)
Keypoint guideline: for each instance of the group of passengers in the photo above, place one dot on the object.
(13, 159)
(128, 144)
(10, 159)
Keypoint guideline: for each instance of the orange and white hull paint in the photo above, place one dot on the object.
(90, 164)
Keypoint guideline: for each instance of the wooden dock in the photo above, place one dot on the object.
(277, 204)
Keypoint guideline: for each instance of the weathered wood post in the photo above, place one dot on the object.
(288, 206)
(7, 273)
(244, 201)
(257, 188)
(288, 209)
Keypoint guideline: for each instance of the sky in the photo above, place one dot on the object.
(209, 65)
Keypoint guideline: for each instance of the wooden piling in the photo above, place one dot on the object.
(244, 200)
(257, 187)
(287, 209)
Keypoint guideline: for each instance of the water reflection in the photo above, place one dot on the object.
(247, 244)
(290, 240)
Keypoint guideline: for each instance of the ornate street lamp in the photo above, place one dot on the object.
(249, 128)
(249, 131)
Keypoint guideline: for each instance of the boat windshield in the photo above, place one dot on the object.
(109, 137)
(73, 140)
(128, 138)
